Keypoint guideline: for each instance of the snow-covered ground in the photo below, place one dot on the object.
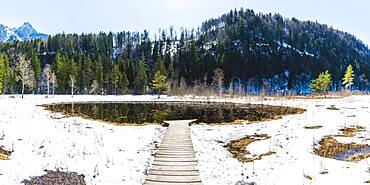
(292, 143)
(108, 154)
(104, 153)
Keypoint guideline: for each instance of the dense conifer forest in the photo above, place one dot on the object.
(254, 52)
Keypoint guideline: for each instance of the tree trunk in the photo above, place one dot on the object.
(72, 88)
(48, 87)
(22, 88)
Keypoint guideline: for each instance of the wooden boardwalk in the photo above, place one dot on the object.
(175, 162)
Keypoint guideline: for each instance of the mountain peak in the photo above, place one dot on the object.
(24, 32)
(26, 25)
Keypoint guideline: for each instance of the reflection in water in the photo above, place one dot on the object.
(156, 112)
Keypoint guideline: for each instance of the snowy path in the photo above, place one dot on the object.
(175, 162)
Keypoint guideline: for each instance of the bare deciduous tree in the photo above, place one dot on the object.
(231, 90)
(218, 79)
(53, 81)
(25, 73)
(183, 86)
(48, 74)
(94, 87)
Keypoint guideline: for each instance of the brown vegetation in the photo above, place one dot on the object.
(4, 154)
(330, 148)
(351, 131)
(238, 148)
(332, 107)
(313, 127)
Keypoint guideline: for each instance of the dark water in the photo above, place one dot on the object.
(156, 112)
(352, 152)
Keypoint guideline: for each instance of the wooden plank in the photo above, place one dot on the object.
(174, 162)
(174, 168)
(171, 163)
(175, 156)
(169, 183)
(178, 159)
(174, 173)
(181, 179)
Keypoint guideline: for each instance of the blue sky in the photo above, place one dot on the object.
(76, 16)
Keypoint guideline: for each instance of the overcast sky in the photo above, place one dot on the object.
(77, 16)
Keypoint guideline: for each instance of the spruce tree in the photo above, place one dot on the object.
(2, 73)
(36, 65)
(348, 77)
(171, 71)
(116, 75)
(140, 81)
(124, 83)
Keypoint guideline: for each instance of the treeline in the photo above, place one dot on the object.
(255, 52)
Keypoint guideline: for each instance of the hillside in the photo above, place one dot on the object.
(255, 51)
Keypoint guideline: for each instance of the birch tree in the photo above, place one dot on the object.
(72, 80)
(25, 73)
(53, 81)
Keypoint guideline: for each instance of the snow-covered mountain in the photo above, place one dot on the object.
(25, 32)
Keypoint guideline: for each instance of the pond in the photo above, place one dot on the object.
(155, 112)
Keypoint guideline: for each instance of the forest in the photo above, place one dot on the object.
(240, 51)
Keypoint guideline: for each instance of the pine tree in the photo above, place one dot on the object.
(2, 73)
(159, 67)
(171, 71)
(159, 83)
(36, 65)
(321, 83)
(116, 76)
(86, 73)
(7, 78)
(140, 81)
(348, 77)
(124, 83)
(99, 75)
(60, 71)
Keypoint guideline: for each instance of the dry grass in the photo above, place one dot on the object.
(238, 148)
(307, 177)
(358, 157)
(351, 131)
(330, 148)
(319, 96)
(312, 127)
(4, 154)
(332, 107)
